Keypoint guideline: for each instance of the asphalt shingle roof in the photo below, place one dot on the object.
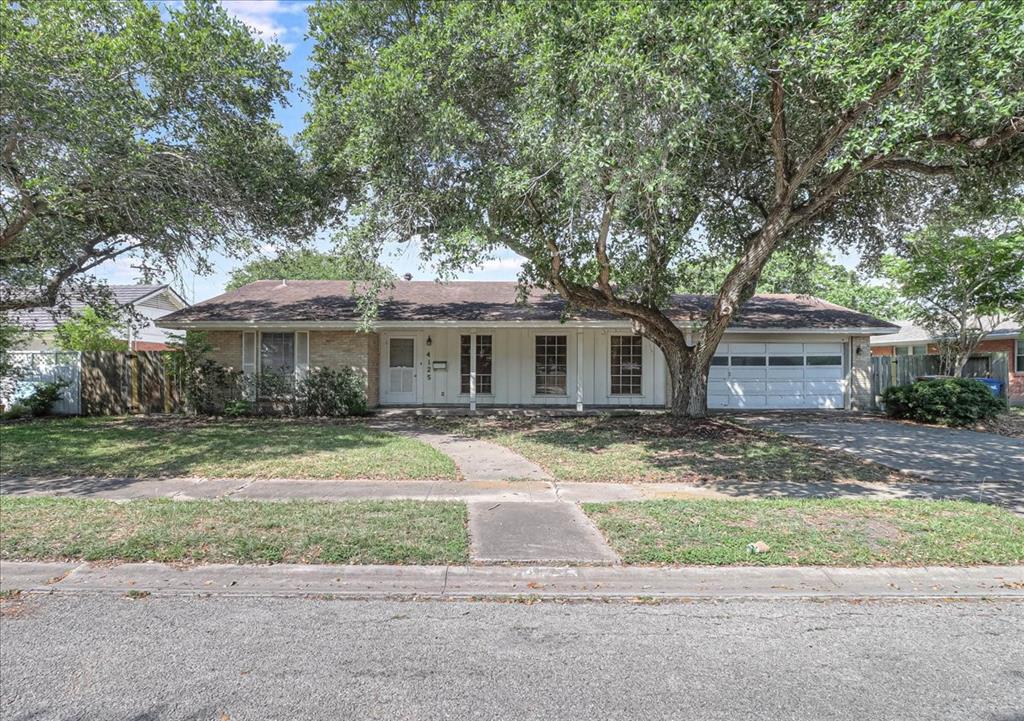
(274, 301)
(44, 319)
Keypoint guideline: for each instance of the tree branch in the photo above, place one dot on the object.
(778, 137)
(842, 126)
(1014, 128)
(601, 250)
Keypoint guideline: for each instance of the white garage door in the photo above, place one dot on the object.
(777, 375)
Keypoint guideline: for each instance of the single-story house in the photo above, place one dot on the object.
(471, 343)
(149, 302)
(1004, 337)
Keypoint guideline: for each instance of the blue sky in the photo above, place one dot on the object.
(285, 22)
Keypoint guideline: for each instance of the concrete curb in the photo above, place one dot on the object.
(516, 582)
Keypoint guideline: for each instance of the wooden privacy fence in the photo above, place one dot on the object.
(101, 383)
(899, 370)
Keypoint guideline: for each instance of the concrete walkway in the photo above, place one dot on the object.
(480, 582)
(530, 532)
(939, 454)
(1009, 494)
(477, 460)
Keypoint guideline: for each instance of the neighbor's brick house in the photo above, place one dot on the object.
(1007, 337)
(470, 343)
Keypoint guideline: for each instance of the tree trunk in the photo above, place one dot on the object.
(689, 382)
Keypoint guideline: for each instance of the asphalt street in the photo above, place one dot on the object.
(106, 657)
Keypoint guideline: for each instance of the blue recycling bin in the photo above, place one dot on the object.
(993, 385)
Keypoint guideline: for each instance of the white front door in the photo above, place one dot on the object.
(401, 378)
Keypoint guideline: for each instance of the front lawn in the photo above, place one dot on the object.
(404, 532)
(656, 448)
(263, 448)
(811, 532)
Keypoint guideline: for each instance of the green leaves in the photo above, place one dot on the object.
(128, 128)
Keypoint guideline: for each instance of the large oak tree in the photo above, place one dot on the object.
(610, 143)
(138, 130)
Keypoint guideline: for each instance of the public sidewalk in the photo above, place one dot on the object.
(517, 582)
(1009, 494)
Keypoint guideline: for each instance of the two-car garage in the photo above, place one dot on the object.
(778, 375)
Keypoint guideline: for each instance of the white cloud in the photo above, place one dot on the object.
(515, 264)
(265, 17)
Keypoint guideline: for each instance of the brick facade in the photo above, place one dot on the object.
(227, 348)
(327, 349)
(1001, 345)
(340, 348)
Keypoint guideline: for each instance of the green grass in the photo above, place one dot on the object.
(658, 449)
(403, 532)
(811, 532)
(278, 448)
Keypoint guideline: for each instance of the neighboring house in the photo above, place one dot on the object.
(148, 301)
(1006, 337)
(471, 343)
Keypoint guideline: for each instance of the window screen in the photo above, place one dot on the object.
(277, 353)
(550, 365)
(627, 364)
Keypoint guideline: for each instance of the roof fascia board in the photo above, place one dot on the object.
(414, 325)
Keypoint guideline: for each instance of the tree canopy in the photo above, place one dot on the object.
(89, 331)
(610, 144)
(805, 273)
(963, 275)
(302, 264)
(134, 129)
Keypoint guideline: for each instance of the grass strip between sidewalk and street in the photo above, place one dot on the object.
(811, 532)
(217, 448)
(387, 532)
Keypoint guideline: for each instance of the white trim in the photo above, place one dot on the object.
(579, 369)
(301, 343)
(183, 303)
(472, 371)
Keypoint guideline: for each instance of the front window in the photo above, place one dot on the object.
(484, 363)
(277, 353)
(1020, 356)
(627, 365)
(550, 365)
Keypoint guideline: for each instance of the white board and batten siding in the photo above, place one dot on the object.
(752, 371)
(435, 377)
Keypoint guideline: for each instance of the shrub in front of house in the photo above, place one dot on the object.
(948, 401)
(330, 392)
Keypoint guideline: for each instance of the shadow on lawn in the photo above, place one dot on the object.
(691, 451)
(151, 448)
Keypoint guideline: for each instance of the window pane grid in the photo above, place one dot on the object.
(277, 353)
(550, 364)
(484, 364)
(626, 365)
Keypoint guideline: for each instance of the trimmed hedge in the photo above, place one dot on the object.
(949, 401)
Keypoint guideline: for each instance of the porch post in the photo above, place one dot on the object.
(472, 371)
(579, 369)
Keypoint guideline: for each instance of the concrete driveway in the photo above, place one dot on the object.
(939, 454)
